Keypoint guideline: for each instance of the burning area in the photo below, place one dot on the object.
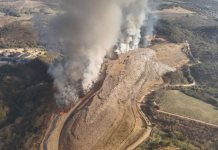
(85, 31)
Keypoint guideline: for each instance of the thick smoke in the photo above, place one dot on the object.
(133, 19)
(85, 31)
(147, 30)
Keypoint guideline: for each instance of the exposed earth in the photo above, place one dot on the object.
(112, 111)
(160, 97)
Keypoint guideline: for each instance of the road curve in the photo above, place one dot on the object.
(55, 128)
(52, 135)
(145, 135)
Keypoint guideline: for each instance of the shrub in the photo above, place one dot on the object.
(10, 12)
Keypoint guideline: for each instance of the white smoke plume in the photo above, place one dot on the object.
(86, 30)
(133, 19)
(147, 30)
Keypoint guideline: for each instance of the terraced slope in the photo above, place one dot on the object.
(111, 116)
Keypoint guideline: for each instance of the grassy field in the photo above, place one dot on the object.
(176, 102)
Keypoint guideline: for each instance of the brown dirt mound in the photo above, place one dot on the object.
(109, 118)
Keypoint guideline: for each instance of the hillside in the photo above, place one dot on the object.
(162, 96)
(26, 101)
(197, 25)
(111, 110)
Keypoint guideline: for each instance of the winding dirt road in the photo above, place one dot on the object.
(52, 135)
(145, 135)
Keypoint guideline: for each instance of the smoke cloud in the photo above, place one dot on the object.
(85, 31)
(151, 19)
(133, 19)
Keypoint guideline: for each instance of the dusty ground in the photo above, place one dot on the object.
(171, 54)
(174, 13)
(110, 118)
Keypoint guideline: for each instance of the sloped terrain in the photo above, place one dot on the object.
(26, 101)
(110, 117)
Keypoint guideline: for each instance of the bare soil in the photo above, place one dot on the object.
(110, 118)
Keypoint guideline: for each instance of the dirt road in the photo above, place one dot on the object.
(183, 85)
(145, 135)
(52, 136)
(187, 118)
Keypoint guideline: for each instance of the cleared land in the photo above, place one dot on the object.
(175, 10)
(177, 58)
(130, 127)
(176, 102)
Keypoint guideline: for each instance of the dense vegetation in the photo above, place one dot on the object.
(203, 38)
(182, 76)
(203, 46)
(26, 101)
(167, 140)
(203, 41)
(10, 12)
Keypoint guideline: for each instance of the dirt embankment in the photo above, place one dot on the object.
(110, 118)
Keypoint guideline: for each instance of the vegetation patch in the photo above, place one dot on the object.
(165, 140)
(10, 12)
(203, 44)
(27, 97)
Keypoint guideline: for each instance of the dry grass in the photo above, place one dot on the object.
(176, 58)
(176, 10)
(178, 103)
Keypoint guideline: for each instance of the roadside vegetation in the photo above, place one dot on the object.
(167, 140)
